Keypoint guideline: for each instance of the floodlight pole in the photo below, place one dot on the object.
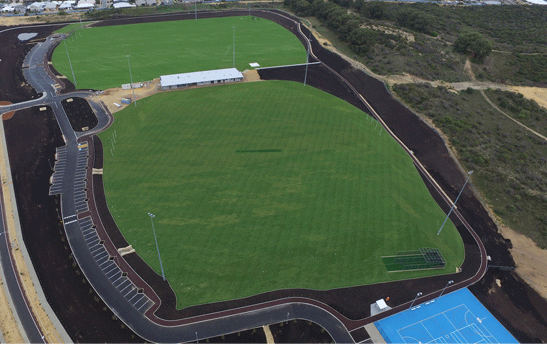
(412, 304)
(81, 25)
(307, 58)
(234, 48)
(154, 230)
(70, 63)
(131, 76)
(453, 205)
(446, 286)
(196, 8)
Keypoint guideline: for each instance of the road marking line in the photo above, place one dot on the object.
(67, 223)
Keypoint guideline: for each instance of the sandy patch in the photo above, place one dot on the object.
(468, 70)
(538, 94)
(268, 333)
(38, 19)
(391, 31)
(115, 95)
(250, 75)
(530, 259)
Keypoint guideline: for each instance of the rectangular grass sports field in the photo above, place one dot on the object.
(264, 186)
(98, 54)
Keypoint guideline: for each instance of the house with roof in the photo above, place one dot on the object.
(67, 5)
(36, 7)
(85, 5)
(145, 2)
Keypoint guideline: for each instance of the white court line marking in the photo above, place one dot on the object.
(430, 335)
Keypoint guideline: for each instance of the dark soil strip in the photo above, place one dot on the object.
(256, 335)
(13, 87)
(299, 331)
(32, 137)
(79, 114)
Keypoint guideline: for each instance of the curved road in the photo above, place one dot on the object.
(134, 315)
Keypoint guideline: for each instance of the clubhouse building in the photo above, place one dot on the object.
(208, 77)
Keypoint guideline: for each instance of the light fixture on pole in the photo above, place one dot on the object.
(131, 78)
(412, 304)
(446, 286)
(70, 64)
(154, 230)
(307, 58)
(453, 205)
(234, 48)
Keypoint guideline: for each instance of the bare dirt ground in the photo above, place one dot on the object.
(38, 19)
(115, 95)
(250, 75)
(538, 94)
(530, 260)
(50, 333)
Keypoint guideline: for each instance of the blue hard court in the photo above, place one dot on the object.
(454, 318)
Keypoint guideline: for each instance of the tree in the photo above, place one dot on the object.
(362, 40)
(473, 43)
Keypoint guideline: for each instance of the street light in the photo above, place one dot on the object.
(234, 48)
(152, 219)
(419, 294)
(449, 282)
(70, 63)
(131, 76)
(307, 58)
(453, 205)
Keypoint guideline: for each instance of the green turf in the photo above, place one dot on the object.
(98, 55)
(319, 197)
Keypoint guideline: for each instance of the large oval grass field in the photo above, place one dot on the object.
(98, 54)
(264, 186)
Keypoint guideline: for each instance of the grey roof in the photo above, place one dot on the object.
(195, 77)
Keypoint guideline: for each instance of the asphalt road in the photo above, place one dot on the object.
(32, 331)
(38, 77)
